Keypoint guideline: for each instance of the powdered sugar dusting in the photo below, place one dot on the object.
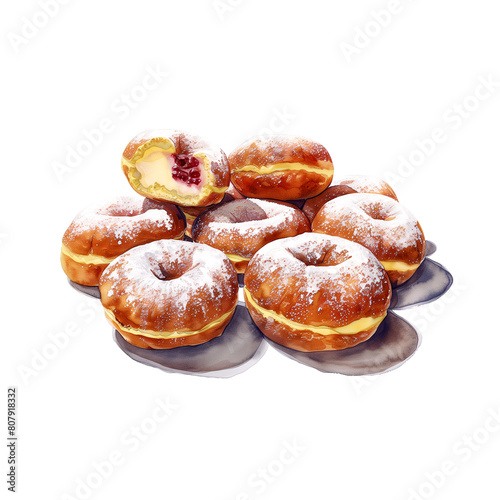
(276, 213)
(376, 221)
(203, 279)
(120, 221)
(279, 148)
(316, 275)
(366, 184)
(245, 238)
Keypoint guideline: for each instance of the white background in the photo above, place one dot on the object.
(237, 70)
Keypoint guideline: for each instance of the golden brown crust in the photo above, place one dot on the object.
(234, 192)
(286, 181)
(306, 340)
(170, 292)
(379, 223)
(99, 237)
(192, 212)
(279, 149)
(84, 274)
(312, 205)
(295, 286)
(226, 227)
(282, 185)
(110, 229)
(399, 277)
(367, 184)
(170, 343)
(184, 144)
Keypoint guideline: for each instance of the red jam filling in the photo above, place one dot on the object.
(186, 169)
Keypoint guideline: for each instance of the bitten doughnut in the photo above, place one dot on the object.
(169, 293)
(102, 232)
(315, 292)
(168, 165)
(347, 185)
(382, 225)
(239, 228)
(281, 168)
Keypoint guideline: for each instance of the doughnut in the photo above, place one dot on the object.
(100, 233)
(315, 292)
(169, 293)
(379, 223)
(367, 184)
(234, 192)
(192, 212)
(168, 165)
(347, 185)
(312, 205)
(281, 168)
(241, 227)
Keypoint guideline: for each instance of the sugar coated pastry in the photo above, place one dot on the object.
(312, 205)
(281, 168)
(315, 292)
(192, 212)
(347, 185)
(382, 225)
(366, 184)
(102, 232)
(169, 293)
(239, 228)
(234, 192)
(173, 166)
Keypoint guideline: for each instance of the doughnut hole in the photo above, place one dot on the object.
(237, 211)
(169, 270)
(376, 211)
(330, 258)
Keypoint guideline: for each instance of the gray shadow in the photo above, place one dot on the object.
(237, 349)
(394, 342)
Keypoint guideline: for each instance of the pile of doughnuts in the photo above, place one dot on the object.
(317, 256)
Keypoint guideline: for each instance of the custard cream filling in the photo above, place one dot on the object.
(86, 259)
(237, 258)
(281, 167)
(189, 216)
(155, 166)
(150, 171)
(359, 325)
(394, 265)
(170, 335)
(96, 259)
